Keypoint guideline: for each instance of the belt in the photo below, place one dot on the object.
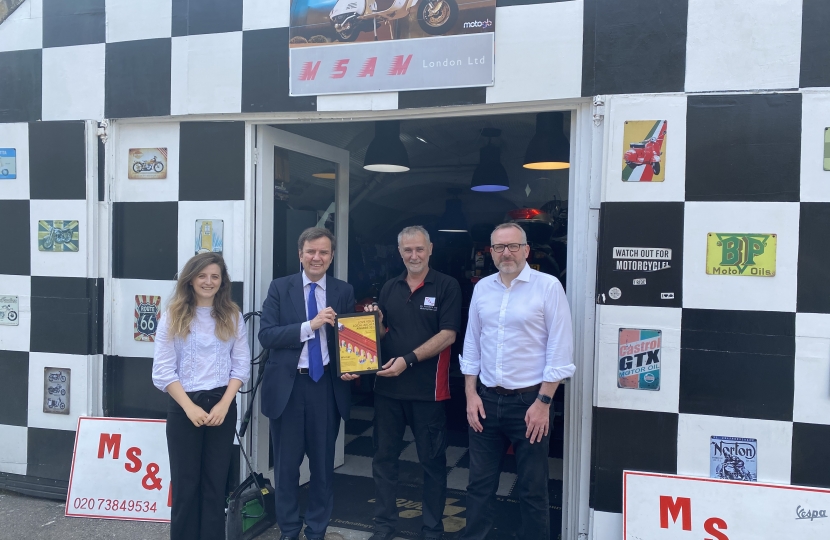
(509, 392)
(304, 370)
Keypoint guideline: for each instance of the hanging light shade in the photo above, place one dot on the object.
(549, 148)
(453, 220)
(386, 152)
(490, 174)
(327, 174)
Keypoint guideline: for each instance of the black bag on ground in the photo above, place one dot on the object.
(251, 509)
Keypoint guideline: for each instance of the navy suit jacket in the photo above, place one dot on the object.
(283, 313)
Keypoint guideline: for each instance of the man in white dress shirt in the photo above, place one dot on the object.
(518, 347)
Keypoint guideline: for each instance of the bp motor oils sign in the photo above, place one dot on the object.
(741, 254)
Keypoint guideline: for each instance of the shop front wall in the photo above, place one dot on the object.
(740, 89)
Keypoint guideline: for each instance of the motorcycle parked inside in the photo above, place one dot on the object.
(350, 17)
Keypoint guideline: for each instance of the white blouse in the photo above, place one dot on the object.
(201, 361)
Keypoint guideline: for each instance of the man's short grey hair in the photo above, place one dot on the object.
(315, 233)
(510, 226)
(411, 231)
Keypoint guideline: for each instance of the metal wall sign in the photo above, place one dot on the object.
(147, 164)
(8, 164)
(146, 315)
(827, 149)
(638, 358)
(209, 235)
(741, 254)
(58, 235)
(9, 311)
(348, 46)
(56, 385)
(644, 151)
(733, 458)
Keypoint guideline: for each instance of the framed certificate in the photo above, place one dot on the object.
(358, 343)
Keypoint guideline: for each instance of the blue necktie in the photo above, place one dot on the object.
(315, 352)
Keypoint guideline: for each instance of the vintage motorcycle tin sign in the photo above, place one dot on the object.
(644, 151)
(741, 254)
(8, 164)
(209, 235)
(146, 316)
(826, 149)
(9, 311)
(147, 164)
(58, 235)
(56, 383)
(733, 458)
(638, 359)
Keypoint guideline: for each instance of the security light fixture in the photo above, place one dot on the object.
(386, 152)
(490, 175)
(549, 148)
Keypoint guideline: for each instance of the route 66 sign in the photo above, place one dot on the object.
(9, 311)
(147, 314)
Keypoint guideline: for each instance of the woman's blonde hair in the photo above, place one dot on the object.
(182, 307)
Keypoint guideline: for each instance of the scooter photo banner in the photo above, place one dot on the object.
(349, 46)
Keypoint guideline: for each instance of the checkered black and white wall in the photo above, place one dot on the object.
(743, 87)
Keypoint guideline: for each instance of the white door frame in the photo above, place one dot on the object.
(261, 240)
(587, 146)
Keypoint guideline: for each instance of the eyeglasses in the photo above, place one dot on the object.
(499, 248)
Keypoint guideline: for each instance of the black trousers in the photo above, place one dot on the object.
(200, 458)
(506, 420)
(428, 421)
(308, 426)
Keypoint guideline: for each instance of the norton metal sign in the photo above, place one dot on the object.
(350, 46)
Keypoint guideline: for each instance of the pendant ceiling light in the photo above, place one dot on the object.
(549, 148)
(490, 174)
(453, 220)
(386, 152)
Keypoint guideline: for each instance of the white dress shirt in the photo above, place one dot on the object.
(521, 335)
(306, 332)
(201, 361)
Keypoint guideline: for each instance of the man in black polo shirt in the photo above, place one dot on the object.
(420, 313)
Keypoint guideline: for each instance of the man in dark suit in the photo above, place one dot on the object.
(301, 394)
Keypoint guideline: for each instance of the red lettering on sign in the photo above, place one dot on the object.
(399, 65)
(110, 443)
(683, 505)
(340, 69)
(709, 526)
(368, 69)
(132, 456)
(309, 71)
(170, 495)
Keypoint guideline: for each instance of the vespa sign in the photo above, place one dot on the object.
(349, 46)
(666, 507)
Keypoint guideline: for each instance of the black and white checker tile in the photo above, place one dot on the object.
(746, 100)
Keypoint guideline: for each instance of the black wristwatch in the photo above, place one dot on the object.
(544, 399)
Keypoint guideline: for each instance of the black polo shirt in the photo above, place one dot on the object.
(411, 319)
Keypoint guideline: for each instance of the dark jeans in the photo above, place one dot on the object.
(200, 458)
(428, 421)
(308, 426)
(506, 419)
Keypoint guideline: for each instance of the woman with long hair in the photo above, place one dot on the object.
(201, 360)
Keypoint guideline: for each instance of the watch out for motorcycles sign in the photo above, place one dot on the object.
(349, 46)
